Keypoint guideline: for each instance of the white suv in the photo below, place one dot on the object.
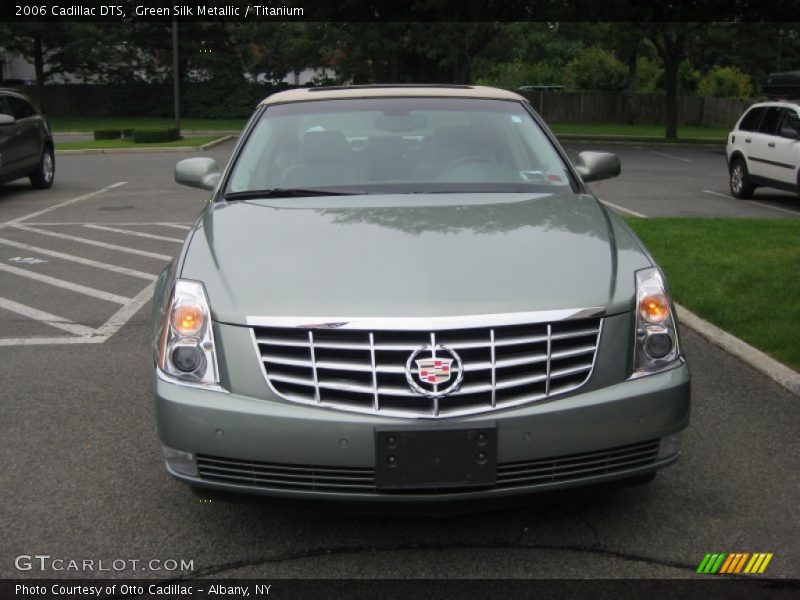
(764, 149)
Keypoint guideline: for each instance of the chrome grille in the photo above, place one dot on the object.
(365, 371)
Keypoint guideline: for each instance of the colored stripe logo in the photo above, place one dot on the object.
(723, 563)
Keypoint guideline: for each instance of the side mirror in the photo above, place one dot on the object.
(7, 120)
(594, 166)
(789, 132)
(198, 172)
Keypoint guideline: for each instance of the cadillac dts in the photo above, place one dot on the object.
(408, 293)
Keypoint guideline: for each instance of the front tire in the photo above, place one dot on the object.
(740, 180)
(44, 174)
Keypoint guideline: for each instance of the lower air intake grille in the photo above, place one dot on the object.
(577, 466)
(362, 480)
(289, 477)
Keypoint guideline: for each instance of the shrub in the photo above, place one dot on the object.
(726, 82)
(107, 134)
(596, 69)
(127, 133)
(688, 78)
(513, 75)
(155, 136)
(649, 76)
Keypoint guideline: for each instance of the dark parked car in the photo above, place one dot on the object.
(26, 142)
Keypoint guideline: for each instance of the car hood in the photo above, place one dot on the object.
(420, 255)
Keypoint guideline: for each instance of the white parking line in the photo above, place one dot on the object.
(81, 334)
(151, 236)
(74, 238)
(124, 314)
(67, 285)
(778, 208)
(50, 341)
(670, 156)
(86, 335)
(179, 224)
(623, 209)
(60, 205)
(718, 194)
(45, 317)
(80, 260)
(175, 225)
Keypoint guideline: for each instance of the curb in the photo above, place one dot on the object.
(185, 132)
(655, 143)
(778, 372)
(150, 149)
(220, 140)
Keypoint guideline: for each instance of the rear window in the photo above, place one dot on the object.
(20, 108)
(769, 124)
(751, 119)
(5, 106)
(790, 120)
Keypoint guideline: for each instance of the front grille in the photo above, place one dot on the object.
(362, 480)
(365, 371)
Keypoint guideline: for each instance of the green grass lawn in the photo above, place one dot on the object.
(193, 141)
(63, 124)
(644, 131)
(743, 275)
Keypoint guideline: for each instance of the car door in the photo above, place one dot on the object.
(742, 138)
(784, 148)
(29, 134)
(9, 152)
(762, 155)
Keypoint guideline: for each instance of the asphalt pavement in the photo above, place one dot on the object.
(83, 476)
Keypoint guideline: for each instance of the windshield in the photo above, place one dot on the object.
(398, 145)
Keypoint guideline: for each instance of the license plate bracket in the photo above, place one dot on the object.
(427, 457)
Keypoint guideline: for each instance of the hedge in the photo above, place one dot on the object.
(207, 100)
(155, 136)
(127, 133)
(107, 134)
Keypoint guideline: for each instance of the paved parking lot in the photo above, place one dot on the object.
(682, 182)
(83, 476)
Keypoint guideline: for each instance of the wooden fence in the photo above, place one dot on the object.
(618, 107)
(555, 107)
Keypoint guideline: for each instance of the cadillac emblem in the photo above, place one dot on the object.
(434, 371)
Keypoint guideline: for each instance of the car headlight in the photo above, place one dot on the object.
(656, 346)
(186, 349)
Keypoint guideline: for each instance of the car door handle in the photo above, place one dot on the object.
(746, 140)
(771, 144)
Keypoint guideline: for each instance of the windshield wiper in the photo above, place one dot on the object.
(289, 193)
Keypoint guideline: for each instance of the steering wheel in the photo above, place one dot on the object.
(468, 159)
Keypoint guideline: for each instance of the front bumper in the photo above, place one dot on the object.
(272, 447)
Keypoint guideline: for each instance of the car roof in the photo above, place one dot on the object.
(4, 90)
(786, 103)
(389, 91)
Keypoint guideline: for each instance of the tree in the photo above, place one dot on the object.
(273, 50)
(674, 43)
(54, 48)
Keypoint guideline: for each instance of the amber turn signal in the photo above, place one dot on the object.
(654, 308)
(187, 319)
